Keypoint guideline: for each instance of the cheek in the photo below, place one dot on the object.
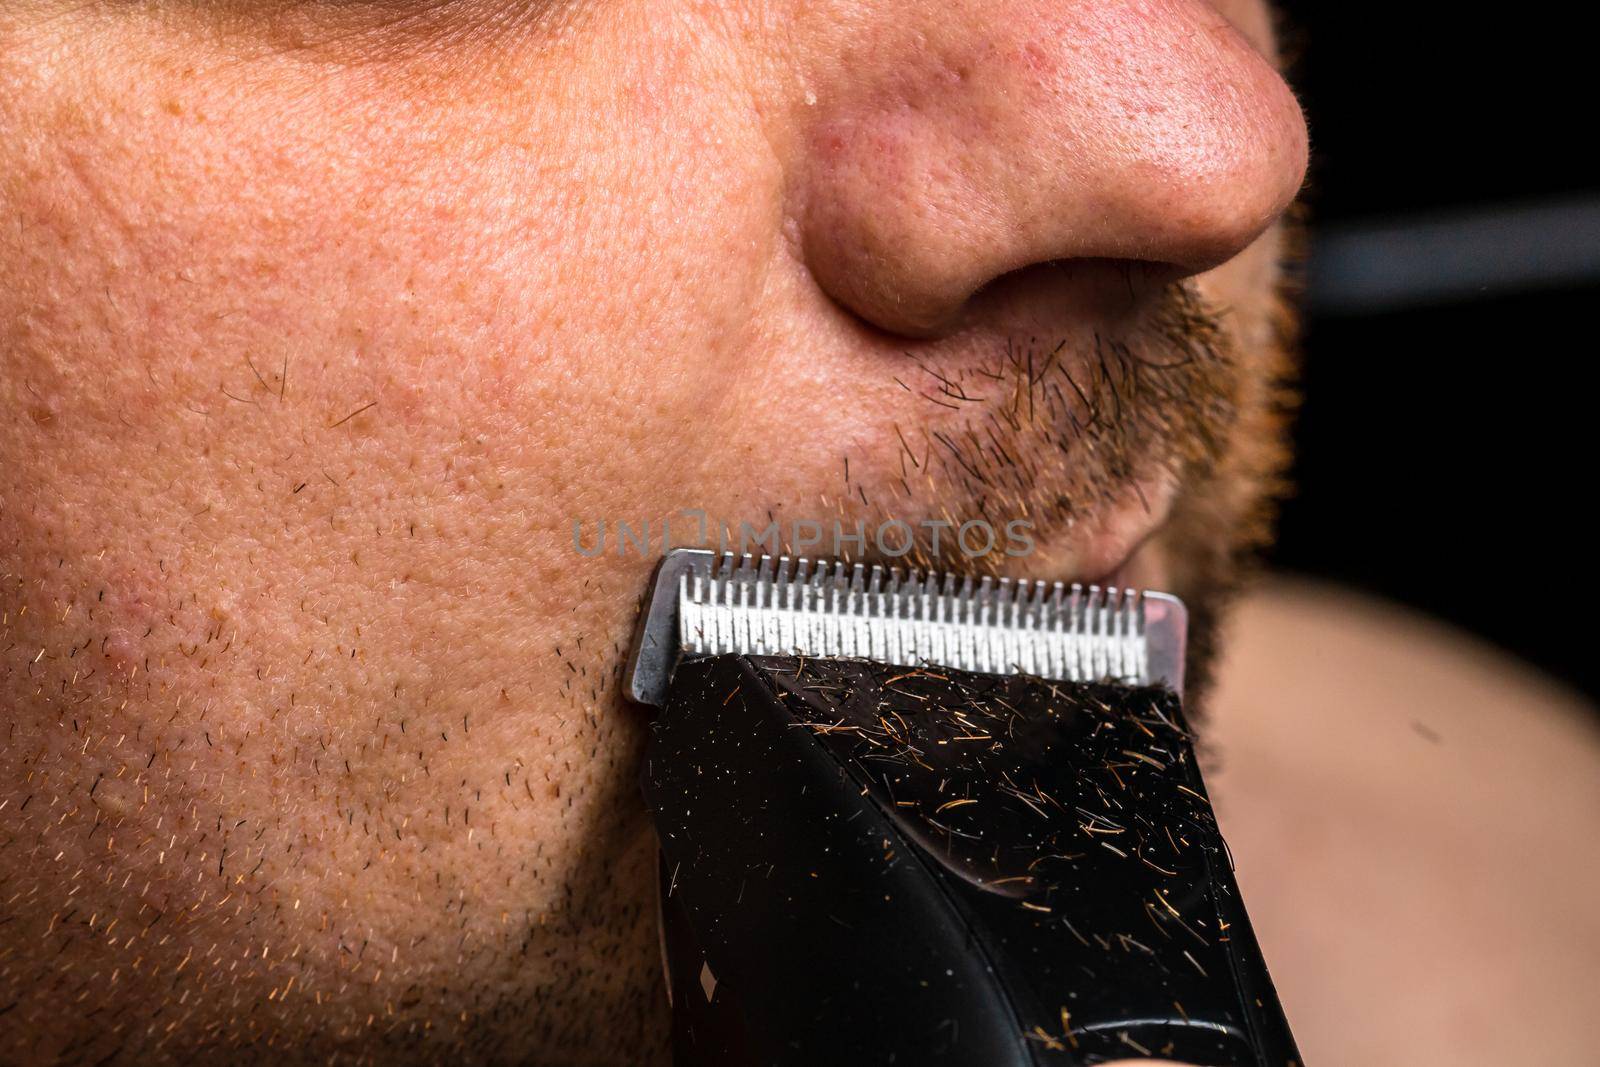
(317, 368)
(221, 269)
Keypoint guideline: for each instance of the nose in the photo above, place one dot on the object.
(949, 144)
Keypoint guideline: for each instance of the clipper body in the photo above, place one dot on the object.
(865, 862)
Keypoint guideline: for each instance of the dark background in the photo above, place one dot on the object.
(1446, 439)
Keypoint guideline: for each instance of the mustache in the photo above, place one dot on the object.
(1054, 433)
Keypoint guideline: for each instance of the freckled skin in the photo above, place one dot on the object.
(320, 326)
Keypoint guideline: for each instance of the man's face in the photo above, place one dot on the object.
(323, 324)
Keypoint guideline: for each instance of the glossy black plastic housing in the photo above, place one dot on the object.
(865, 864)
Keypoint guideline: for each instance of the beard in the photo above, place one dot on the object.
(1058, 438)
(1226, 514)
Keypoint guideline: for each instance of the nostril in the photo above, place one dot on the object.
(1038, 295)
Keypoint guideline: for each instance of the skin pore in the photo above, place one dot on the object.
(321, 324)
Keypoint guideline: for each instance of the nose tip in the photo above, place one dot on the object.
(1211, 178)
(1152, 133)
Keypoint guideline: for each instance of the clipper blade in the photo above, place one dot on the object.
(703, 604)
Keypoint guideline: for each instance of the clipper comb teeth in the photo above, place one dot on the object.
(703, 604)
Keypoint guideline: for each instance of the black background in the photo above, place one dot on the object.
(1445, 447)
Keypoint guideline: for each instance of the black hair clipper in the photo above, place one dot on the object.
(918, 820)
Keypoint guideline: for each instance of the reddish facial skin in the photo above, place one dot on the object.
(320, 325)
